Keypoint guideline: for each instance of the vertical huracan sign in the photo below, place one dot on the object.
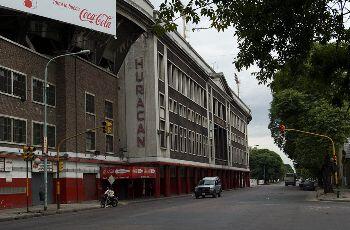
(140, 106)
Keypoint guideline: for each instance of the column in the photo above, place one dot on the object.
(157, 183)
(188, 183)
(178, 176)
(167, 191)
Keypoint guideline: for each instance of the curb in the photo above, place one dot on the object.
(50, 213)
(329, 200)
(22, 216)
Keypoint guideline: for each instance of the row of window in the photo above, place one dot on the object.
(238, 139)
(90, 106)
(238, 123)
(91, 142)
(187, 141)
(239, 156)
(14, 131)
(13, 83)
(219, 109)
(181, 82)
(187, 113)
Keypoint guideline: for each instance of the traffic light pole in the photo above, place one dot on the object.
(27, 185)
(58, 162)
(333, 148)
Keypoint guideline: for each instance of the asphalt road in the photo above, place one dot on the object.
(264, 207)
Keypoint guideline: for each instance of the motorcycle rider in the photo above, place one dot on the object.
(108, 196)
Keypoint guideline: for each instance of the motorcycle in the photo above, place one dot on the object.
(109, 201)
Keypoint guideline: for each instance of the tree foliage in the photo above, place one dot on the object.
(270, 33)
(288, 168)
(261, 159)
(301, 100)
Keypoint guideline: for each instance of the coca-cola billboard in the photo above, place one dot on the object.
(97, 15)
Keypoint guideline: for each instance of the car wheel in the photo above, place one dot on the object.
(203, 196)
(214, 194)
(197, 196)
(219, 195)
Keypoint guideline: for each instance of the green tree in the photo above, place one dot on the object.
(266, 164)
(288, 168)
(302, 100)
(270, 33)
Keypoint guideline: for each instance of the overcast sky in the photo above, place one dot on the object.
(219, 50)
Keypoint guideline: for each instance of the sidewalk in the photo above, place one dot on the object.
(36, 211)
(344, 195)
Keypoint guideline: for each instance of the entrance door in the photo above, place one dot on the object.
(90, 188)
(38, 188)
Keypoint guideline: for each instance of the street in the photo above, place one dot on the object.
(263, 207)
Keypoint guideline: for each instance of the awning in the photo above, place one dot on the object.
(128, 172)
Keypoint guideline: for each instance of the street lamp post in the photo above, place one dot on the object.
(45, 144)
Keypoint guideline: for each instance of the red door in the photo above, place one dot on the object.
(90, 188)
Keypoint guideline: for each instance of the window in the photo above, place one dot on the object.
(38, 92)
(175, 109)
(38, 134)
(12, 83)
(109, 109)
(197, 145)
(90, 141)
(109, 144)
(189, 142)
(184, 140)
(161, 100)
(176, 139)
(162, 106)
(171, 136)
(162, 137)
(179, 85)
(170, 105)
(174, 77)
(170, 75)
(160, 67)
(181, 139)
(193, 142)
(13, 130)
(5, 81)
(89, 103)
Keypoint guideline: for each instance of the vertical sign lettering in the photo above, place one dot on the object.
(140, 104)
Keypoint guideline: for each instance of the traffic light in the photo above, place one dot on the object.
(60, 166)
(107, 127)
(28, 149)
(28, 152)
(282, 129)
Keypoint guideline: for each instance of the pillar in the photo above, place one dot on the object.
(195, 176)
(188, 183)
(157, 183)
(248, 180)
(167, 190)
(240, 180)
(178, 177)
(236, 180)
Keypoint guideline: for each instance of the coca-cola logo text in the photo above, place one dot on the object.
(102, 20)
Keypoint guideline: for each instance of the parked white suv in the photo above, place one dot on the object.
(208, 186)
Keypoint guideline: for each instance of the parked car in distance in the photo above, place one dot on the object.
(208, 186)
(309, 185)
(290, 179)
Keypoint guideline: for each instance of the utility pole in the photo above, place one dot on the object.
(45, 144)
